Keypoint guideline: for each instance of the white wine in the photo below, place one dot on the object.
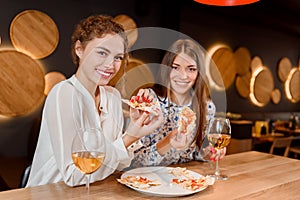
(219, 141)
(88, 162)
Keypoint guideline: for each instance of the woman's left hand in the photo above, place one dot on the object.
(214, 156)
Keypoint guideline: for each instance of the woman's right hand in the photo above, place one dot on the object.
(143, 123)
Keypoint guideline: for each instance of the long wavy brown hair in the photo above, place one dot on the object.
(199, 91)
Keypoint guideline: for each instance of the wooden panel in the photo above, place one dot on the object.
(34, 33)
(276, 96)
(51, 79)
(284, 68)
(137, 74)
(129, 26)
(22, 83)
(295, 86)
(242, 84)
(256, 62)
(263, 86)
(223, 59)
(242, 59)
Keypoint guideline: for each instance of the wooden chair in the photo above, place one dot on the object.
(295, 149)
(284, 142)
(25, 176)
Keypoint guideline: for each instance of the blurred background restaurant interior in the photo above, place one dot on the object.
(266, 33)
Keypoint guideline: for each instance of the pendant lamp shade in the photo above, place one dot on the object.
(226, 2)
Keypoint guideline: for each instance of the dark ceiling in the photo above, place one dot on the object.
(281, 14)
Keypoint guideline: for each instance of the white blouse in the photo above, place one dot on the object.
(69, 106)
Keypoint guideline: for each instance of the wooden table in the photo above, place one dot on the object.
(269, 137)
(287, 131)
(252, 175)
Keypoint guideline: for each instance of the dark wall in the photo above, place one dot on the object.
(263, 29)
(15, 132)
(205, 24)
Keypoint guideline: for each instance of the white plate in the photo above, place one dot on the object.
(166, 189)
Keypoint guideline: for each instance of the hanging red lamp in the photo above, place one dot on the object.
(226, 2)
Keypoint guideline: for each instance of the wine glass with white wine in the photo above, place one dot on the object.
(219, 136)
(88, 151)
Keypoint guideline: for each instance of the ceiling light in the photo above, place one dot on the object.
(226, 2)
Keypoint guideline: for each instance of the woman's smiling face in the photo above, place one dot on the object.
(183, 74)
(100, 60)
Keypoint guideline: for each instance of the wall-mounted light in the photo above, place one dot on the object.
(291, 85)
(226, 2)
(212, 71)
(261, 86)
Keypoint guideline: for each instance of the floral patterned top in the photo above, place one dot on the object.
(147, 154)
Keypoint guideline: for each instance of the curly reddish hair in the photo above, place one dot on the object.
(96, 26)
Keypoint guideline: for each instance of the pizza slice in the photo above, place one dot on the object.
(187, 121)
(186, 180)
(139, 182)
(190, 183)
(145, 105)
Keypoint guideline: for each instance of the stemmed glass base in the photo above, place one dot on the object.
(217, 175)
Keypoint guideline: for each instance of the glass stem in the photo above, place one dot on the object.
(217, 172)
(88, 182)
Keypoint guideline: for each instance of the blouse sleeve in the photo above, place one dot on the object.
(147, 154)
(60, 119)
(65, 110)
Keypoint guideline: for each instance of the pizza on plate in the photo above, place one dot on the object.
(139, 182)
(190, 183)
(184, 179)
(187, 121)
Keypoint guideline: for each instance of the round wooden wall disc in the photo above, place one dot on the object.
(22, 83)
(284, 68)
(129, 26)
(276, 96)
(51, 79)
(263, 86)
(34, 33)
(256, 62)
(242, 58)
(223, 58)
(295, 86)
(138, 75)
(242, 84)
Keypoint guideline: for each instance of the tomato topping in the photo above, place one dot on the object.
(144, 99)
(137, 98)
